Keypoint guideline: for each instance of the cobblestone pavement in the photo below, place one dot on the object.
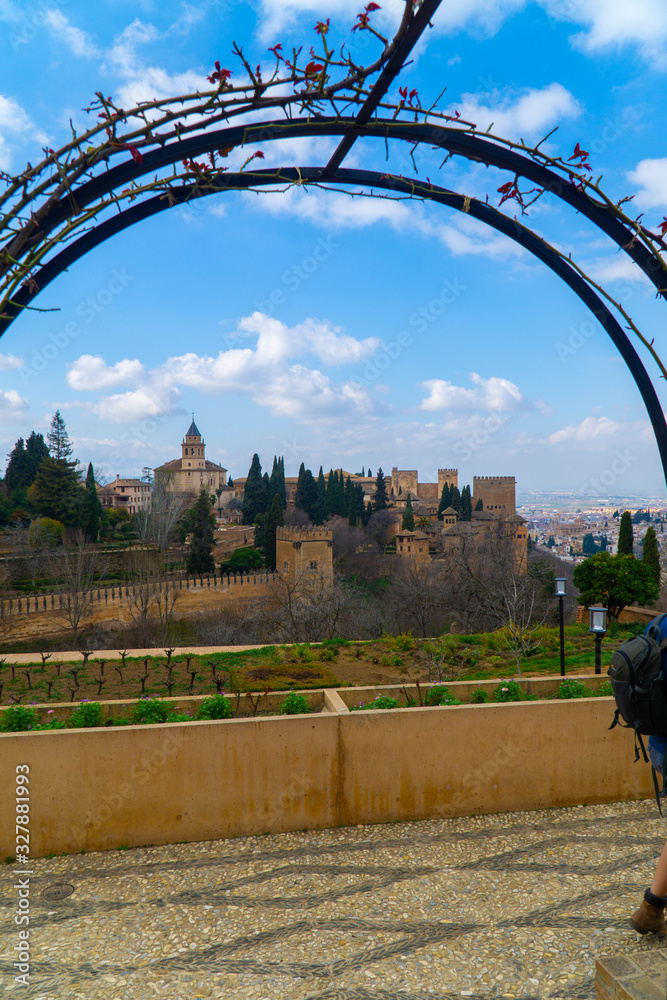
(513, 905)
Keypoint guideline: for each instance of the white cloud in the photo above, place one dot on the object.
(530, 114)
(616, 23)
(78, 42)
(262, 371)
(593, 433)
(15, 121)
(494, 394)
(9, 361)
(12, 406)
(650, 177)
(91, 372)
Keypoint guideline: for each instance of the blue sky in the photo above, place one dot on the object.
(344, 331)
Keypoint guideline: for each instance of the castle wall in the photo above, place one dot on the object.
(497, 493)
(303, 551)
(450, 476)
(405, 480)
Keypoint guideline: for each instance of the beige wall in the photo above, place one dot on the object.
(134, 785)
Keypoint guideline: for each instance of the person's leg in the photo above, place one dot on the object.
(651, 914)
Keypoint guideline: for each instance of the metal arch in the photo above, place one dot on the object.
(457, 141)
(370, 179)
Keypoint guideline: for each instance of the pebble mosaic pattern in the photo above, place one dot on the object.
(515, 905)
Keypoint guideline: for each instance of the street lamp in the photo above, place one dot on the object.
(598, 627)
(561, 589)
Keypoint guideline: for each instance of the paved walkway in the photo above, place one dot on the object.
(515, 905)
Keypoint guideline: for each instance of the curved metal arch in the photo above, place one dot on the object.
(456, 141)
(370, 179)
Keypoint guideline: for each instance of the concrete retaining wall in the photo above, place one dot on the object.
(98, 789)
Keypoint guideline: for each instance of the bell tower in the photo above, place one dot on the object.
(193, 448)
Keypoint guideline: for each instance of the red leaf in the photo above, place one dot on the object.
(220, 75)
(322, 27)
(276, 49)
(403, 91)
(259, 154)
(136, 155)
(371, 7)
(579, 153)
(663, 225)
(312, 69)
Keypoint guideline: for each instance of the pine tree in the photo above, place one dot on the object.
(650, 554)
(91, 507)
(57, 492)
(380, 500)
(58, 438)
(202, 524)
(445, 500)
(254, 495)
(275, 520)
(625, 539)
(408, 522)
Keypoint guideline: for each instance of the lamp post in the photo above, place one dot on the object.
(598, 627)
(561, 589)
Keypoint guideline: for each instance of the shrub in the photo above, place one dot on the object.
(508, 691)
(294, 704)
(215, 707)
(571, 688)
(149, 710)
(396, 660)
(382, 701)
(87, 716)
(403, 642)
(440, 694)
(18, 719)
(479, 696)
(495, 659)
(604, 691)
(327, 655)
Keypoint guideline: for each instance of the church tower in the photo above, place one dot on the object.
(193, 448)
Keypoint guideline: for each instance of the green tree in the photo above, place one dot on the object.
(275, 520)
(456, 502)
(58, 438)
(408, 521)
(306, 493)
(45, 533)
(321, 497)
(91, 507)
(202, 525)
(466, 504)
(588, 547)
(380, 500)
(625, 539)
(352, 511)
(551, 542)
(615, 581)
(479, 505)
(57, 492)
(445, 500)
(24, 461)
(650, 555)
(255, 495)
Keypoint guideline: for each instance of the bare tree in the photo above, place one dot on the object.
(312, 609)
(518, 609)
(379, 527)
(75, 570)
(156, 525)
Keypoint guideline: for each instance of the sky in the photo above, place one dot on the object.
(338, 330)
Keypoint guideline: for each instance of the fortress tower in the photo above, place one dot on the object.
(497, 493)
(193, 448)
(405, 481)
(450, 476)
(304, 551)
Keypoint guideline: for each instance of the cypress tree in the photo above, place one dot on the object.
(349, 494)
(91, 507)
(360, 501)
(274, 521)
(331, 498)
(281, 482)
(352, 511)
(274, 481)
(306, 496)
(466, 504)
(321, 497)
(479, 505)
(408, 522)
(254, 495)
(625, 539)
(456, 501)
(369, 473)
(369, 512)
(202, 524)
(380, 500)
(650, 554)
(342, 497)
(445, 500)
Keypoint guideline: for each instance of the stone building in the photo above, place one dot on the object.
(192, 470)
(302, 552)
(413, 545)
(407, 481)
(131, 495)
(497, 493)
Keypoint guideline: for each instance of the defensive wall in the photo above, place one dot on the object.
(497, 493)
(95, 789)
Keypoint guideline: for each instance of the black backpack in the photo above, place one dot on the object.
(639, 683)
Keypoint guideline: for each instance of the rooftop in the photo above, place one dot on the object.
(507, 905)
